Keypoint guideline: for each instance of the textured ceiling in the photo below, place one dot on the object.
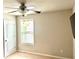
(43, 5)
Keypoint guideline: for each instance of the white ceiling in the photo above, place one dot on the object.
(43, 5)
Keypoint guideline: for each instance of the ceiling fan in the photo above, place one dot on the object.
(23, 8)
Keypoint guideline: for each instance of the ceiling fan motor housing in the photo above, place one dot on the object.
(22, 7)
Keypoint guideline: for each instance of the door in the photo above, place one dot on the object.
(9, 36)
(72, 20)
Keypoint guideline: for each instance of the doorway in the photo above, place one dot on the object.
(9, 37)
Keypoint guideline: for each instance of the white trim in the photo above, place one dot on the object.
(13, 50)
(73, 48)
(36, 53)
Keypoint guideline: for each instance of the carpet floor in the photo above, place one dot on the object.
(20, 55)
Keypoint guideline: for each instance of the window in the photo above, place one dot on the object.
(27, 31)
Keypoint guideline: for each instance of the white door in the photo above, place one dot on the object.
(9, 36)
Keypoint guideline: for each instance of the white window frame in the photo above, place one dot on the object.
(32, 32)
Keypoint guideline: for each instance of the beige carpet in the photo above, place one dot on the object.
(19, 55)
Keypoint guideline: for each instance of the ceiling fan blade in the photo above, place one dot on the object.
(33, 10)
(37, 11)
(13, 11)
(11, 8)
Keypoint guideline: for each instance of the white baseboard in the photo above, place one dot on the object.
(36, 53)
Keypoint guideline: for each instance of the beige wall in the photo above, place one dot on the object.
(52, 34)
(73, 10)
